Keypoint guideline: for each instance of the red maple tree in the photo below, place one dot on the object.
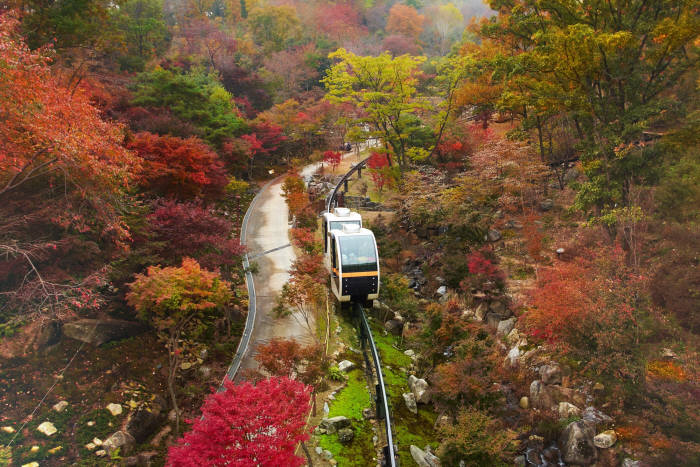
(177, 167)
(247, 425)
(332, 158)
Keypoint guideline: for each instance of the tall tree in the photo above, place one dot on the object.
(384, 91)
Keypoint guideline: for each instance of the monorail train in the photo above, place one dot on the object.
(354, 264)
(335, 221)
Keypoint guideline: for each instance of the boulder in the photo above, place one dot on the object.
(627, 462)
(513, 356)
(547, 205)
(115, 409)
(442, 290)
(424, 458)
(524, 403)
(394, 326)
(346, 435)
(346, 365)
(480, 312)
(145, 419)
(595, 416)
(550, 374)
(60, 406)
(119, 440)
(419, 387)
(409, 353)
(498, 307)
(540, 395)
(577, 444)
(493, 235)
(49, 335)
(410, 400)
(605, 439)
(333, 424)
(101, 331)
(47, 428)
(567, 410)
(506, 326)
(493, 319)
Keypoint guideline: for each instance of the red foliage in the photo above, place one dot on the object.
(332, 158)
(309, 265)
(398, 44)
(378, 163)
(264, 138)
(178, 168)
(303, 238)
(247, 425)
(191, 229)
(339, 21)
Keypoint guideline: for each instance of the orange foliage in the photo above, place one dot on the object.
(405, 20)
(668, 370)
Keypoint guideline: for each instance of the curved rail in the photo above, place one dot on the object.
(331, 200)
(250, 319)
(366, 335)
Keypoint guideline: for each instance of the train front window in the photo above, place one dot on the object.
(358, 254)
(338, 225)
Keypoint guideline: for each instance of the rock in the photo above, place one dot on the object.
(668, 354)
(327, 455)
(119, 440)
(90, 423)
(577, 444)
(524, 403)
(424, 458)
(595, 416)
(513, 356)
(319, 450)
(506, 326)
(605, 439)
(567, 410)
(346, 365)
(367, 413)
(90, 446)
(410, 353)
(627, 462)
(550, 374)
(519, 461)
(513, 224)
(205, 371)
(145, 419)
(131, 461)
(442, 290)
(540, 396)
(410, 400)
(513, 336)
(326, 409)
(571, 174)
(101, 331)
(333, 424)
(598, 387)
(34, 448)
(419, 387)
(547, 205)
(97, 441)
(394, 327)
(47, 428)
(146, 457)
(60, 406)
(498, 307)
(8, 429)
(115, 409)
(480, 312)
(492, 319)
(101, 453)
(493, 235)
(346, 435)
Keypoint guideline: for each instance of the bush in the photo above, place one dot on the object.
(476, 439)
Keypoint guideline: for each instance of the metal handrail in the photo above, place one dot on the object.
(331, 199)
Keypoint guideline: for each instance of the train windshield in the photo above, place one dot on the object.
(358, 253)
(338, 225)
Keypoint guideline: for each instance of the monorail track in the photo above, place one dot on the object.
(383, 408)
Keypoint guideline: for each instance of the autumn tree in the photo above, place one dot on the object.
(287, 358)
(141, 24)
(247, 424)
(195, 97)
(274, 27)
(303, 299)
(332, 158)
(384, 91)
(180, 302)
(178, 168)
(192, 229)
(63, 174)
(607, 69)
(405, 20)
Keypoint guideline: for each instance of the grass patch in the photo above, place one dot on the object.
(356, 453)
(354, 397)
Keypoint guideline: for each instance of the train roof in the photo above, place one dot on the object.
(342, 214)
(352, 232)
